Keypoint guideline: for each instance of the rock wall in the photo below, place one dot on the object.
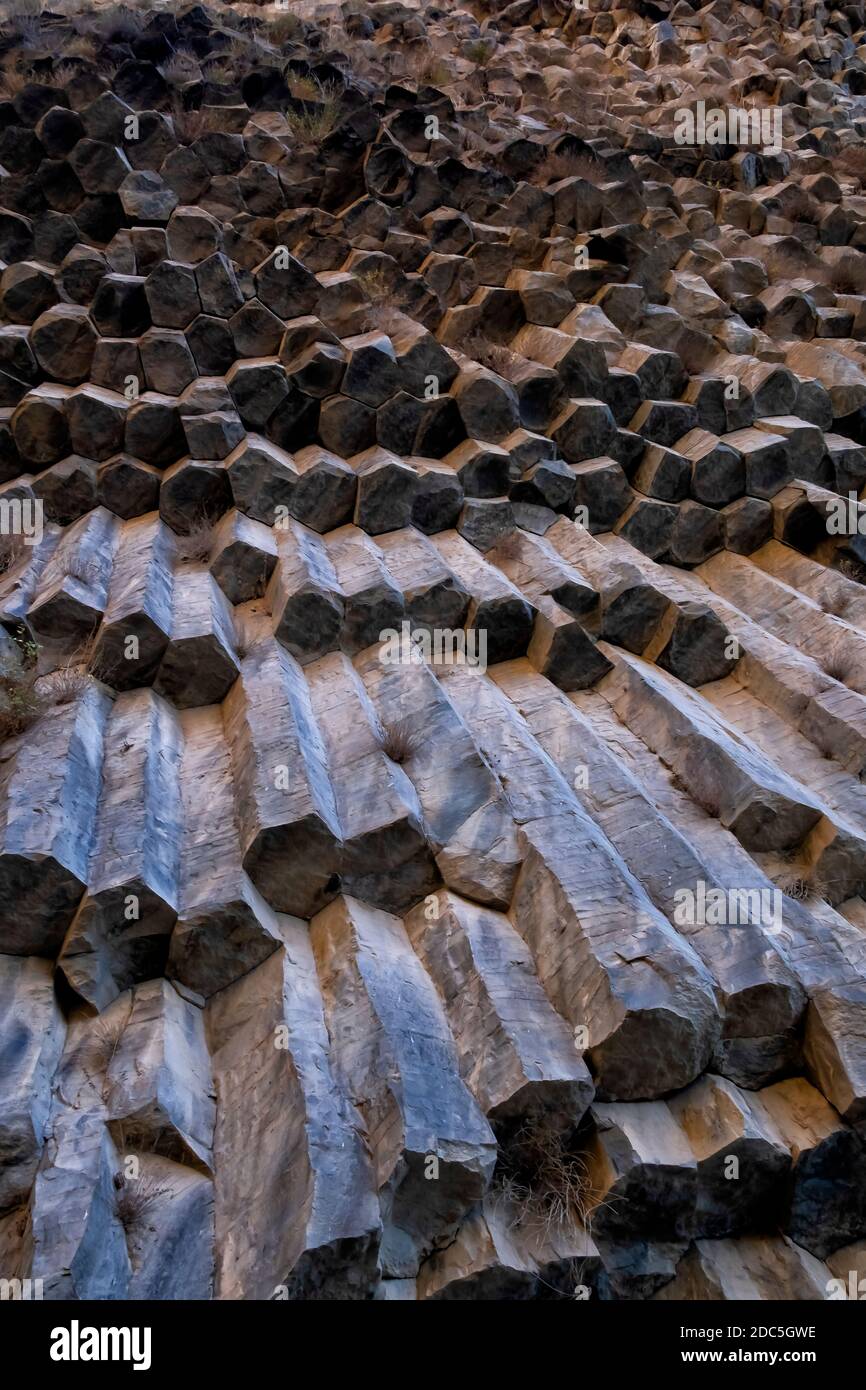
(433, 650)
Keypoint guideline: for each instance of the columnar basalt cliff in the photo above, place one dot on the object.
(433, 650)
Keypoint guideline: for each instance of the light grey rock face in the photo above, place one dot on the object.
(295, 1195)
(31, 1035)
(158, 1089)
(433, 655)
(516, 1054)
(406, 1084)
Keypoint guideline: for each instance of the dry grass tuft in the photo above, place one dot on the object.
(320, 118)
(493, 356)
(12, 81)
(12, 551)
(540, 1182)
(189, 124)
(180, 68)
(400, 741)
(852, 569)
(303, 88)
(794, 886)
(82, 46)
(21, 703)
(59, 77)
(428, 68)
(63, 686)
(134, 1200)
(287, 28)
(196, 546)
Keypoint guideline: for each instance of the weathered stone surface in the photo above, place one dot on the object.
(432, 670)
(33, 1031)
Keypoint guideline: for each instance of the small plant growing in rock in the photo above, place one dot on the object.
(12, 82)
(134, 1201)
(195, 547)
(21, 703)
(63, 686)
(427, 67)
(540, 1182)
(852, 569)
(286, 28)
(375, 286)
(480, 52)
(315, 122)
(400, 741)
(493, 356)
(180, 67)
(12, 550)
(189, 125)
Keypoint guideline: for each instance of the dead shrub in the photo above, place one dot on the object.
(287, 28)
(375, 286)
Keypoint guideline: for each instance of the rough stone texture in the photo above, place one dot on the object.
(433, 652)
